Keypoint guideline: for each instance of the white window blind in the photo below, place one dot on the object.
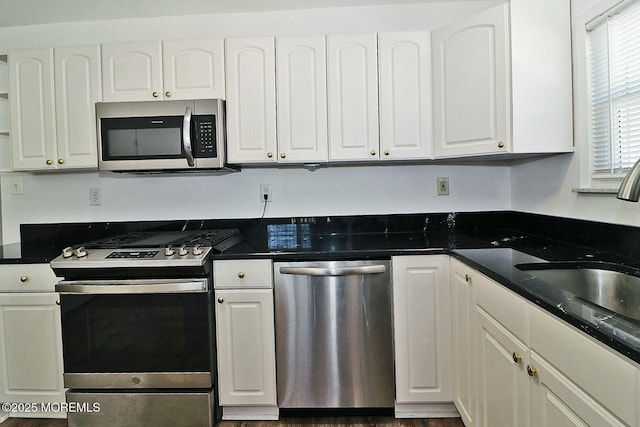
(614, 77)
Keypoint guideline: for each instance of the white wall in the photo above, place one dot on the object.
(64, 197)
(296, 192)
(545, 185)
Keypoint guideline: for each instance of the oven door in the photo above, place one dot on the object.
(137, 333)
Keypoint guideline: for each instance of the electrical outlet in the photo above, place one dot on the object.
(94, 197)
(265, 193)
(443, 186)
(16, 185)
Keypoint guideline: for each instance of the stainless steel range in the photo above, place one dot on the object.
(137, 328)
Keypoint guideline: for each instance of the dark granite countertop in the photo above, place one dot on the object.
(618, 332)
(492, 242)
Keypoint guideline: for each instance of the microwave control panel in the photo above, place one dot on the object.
(205, 136)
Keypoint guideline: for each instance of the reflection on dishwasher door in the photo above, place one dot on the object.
(333, 334)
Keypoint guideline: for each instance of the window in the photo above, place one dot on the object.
(613, 57)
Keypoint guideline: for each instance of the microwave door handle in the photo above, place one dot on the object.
(186, 137)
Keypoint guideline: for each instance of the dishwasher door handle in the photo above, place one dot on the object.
(338, 271)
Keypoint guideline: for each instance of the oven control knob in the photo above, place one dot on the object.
(135, 380)
(197, 250)
(67, 252)
(168, 250)
(183, 251)
(80, 252)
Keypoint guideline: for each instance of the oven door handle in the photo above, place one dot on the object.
(340, 271)
(144, 286)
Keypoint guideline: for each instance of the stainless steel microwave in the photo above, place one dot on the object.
(161, 136)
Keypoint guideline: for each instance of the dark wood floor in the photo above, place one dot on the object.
(288, 422)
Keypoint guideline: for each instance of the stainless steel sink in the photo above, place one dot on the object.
(602, 284)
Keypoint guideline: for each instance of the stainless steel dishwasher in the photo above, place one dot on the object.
(333, 334)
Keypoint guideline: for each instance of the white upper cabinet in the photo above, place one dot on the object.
(193, 69)
(470, 85)
(147, 71)
(352, 76)
(251, 100)
(77, 89)
(52, 107)
(502, 81)
(33, 132)
(302, 99)
(132, 71)
(405, 95)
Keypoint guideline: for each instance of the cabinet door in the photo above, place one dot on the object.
(31, 343)
(463, 334)
(558, 402)
(503, 383)
(246, 347)
(471, 85)
(193, 69)
(132, 71)
(251, 100)
(405, 95)
(422, 329)
(33, 131)
(78, 86)
(302, 99)
(353, 97)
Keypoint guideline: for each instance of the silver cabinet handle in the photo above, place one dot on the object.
(186, 137)
(345, 271)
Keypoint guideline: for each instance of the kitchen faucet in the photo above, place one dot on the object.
(630, 187)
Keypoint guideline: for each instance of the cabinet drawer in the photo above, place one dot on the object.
(233, 274)
(503, 305)
(27, 278)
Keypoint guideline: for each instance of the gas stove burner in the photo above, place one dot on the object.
(219, 239)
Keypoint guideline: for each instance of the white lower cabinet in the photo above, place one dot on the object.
(502, 379)
(503, 355)
(464, 342)
(557, 402)
(576, 378)
(534, 370)
(30, 339)
(422, 336)
(245, 339)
